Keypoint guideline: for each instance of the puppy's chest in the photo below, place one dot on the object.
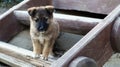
(41, 37)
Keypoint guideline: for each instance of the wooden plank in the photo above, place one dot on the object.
(14, 62)
(23, 54)
(68, 23)
(34, 3)
(95, 6)
(115, 35)
(8, 24)
(9, 27)
(93, 44)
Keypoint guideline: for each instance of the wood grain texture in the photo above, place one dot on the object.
(22, 54)
(35, 3)
(95, 6)
(96, 44)
(14, 62)
(9, 27)
(68, 23)
(93, 44)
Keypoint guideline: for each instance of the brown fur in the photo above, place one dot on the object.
(43, 41)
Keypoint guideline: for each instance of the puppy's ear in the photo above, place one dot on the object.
(50, 9)
(32, 11)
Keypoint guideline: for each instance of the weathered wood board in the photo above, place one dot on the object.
(68, 23)
(96, 44)
(22, 54)
(14, 62)
(95, 6)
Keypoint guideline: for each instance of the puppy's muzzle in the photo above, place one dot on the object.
(42, 25)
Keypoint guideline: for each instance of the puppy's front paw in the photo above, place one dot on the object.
(36, 56)
(44, 58)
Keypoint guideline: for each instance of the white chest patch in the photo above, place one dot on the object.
(41, 39)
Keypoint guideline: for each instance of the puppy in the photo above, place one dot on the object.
(43, 30)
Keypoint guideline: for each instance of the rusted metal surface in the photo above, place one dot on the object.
(95, 6)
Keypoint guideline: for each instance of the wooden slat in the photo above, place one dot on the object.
(94, 44)
(95, 6)
(115, 35)
(14, 62)
(68, 23)
(22, 54)
(32, 3)
(9, 26)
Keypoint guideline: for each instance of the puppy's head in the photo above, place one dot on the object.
(41, 16)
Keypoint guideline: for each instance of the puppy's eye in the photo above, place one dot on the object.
(46, 17)
(36, 19)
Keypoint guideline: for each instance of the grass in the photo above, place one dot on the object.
(9, 3)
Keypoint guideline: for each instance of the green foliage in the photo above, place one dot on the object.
(9, 3)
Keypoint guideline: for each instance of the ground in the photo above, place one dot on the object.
(114, 61)
(2, 10)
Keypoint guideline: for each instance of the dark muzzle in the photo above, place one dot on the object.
(42, 25)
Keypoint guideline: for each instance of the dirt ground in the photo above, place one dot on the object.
(114, 61)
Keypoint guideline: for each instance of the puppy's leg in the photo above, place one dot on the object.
(46, 50)
(51, 49)
(37, 48)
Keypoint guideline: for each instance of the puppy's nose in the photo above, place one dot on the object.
(41, 28)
